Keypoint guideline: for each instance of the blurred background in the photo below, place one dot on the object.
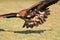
(13, 26)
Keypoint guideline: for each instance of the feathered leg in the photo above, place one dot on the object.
(24, 24)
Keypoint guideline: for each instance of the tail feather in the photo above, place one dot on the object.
(9, 15)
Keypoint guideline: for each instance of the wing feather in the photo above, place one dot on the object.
(43, 5)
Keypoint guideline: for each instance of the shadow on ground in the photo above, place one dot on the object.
(24, 31)
(30, 31)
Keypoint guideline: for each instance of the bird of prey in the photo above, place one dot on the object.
(35, 15)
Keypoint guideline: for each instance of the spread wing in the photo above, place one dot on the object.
(41, 12)
(42, 5)
(36, 14)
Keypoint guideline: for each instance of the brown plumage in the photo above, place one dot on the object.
(34, 15)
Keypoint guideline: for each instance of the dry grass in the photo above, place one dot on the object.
(14, 25)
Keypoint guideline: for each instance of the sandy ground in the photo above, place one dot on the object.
(14, 25)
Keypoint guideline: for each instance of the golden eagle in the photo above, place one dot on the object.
(34, 15)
